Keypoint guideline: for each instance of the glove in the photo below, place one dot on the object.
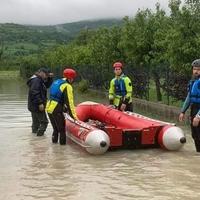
(123, 107)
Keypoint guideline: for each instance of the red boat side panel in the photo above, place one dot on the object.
(83, 112)
(115, 136)
(79, 130)
(125, 129)
(148, 135)
(112, 117)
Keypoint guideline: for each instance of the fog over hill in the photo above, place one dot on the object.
(60, 32)
(53, 12)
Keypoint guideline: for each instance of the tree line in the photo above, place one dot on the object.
(155, 46)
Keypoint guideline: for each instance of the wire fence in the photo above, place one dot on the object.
(161, 82)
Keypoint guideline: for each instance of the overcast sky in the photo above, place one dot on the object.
(45, 12)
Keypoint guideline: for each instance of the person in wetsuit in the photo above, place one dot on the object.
(61, 101)
(193, 101)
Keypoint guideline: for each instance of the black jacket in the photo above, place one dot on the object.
(37, 92)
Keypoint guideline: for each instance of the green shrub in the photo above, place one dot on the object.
(83, 85)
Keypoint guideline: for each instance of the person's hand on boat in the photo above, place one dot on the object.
(41, 107)
(123, 107)
(112, 106)
(196, 121)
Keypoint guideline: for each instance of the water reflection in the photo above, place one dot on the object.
(32, 168)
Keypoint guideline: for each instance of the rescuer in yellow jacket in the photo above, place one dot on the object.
(120, 91)
(61, 100)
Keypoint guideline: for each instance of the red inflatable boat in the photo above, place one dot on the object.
(101, 127)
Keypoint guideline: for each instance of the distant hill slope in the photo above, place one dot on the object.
(61, 33)
(17, 40)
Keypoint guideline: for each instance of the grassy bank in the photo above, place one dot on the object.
(9, 74)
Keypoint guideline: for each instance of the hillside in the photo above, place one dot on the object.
(62, 32)
(22, 40)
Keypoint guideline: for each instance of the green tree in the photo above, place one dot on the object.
(183, 38)
(142, 42)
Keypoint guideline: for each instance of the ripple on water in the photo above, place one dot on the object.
(33, 168)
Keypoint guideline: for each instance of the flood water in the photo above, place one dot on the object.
(33, 168)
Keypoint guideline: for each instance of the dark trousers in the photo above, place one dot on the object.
(195, 130)
(129, 107)
(58, 123)
(39, 122)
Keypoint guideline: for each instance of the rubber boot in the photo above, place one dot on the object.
(63, 140)
(54, 139)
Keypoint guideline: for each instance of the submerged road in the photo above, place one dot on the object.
(33, 168)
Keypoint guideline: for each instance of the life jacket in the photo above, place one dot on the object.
(55, 92)
(194, 88)
(120, 88)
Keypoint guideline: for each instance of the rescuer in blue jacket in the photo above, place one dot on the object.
(193, 100)
(61, 100)
(120, 91)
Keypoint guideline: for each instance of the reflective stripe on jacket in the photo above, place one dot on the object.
(120, 90)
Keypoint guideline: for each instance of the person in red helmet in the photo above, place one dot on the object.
(61, 101)
(120, 91)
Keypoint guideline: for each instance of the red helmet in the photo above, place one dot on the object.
(69, 73)
(117, 64)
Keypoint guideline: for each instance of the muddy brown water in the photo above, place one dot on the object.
(33, 168)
